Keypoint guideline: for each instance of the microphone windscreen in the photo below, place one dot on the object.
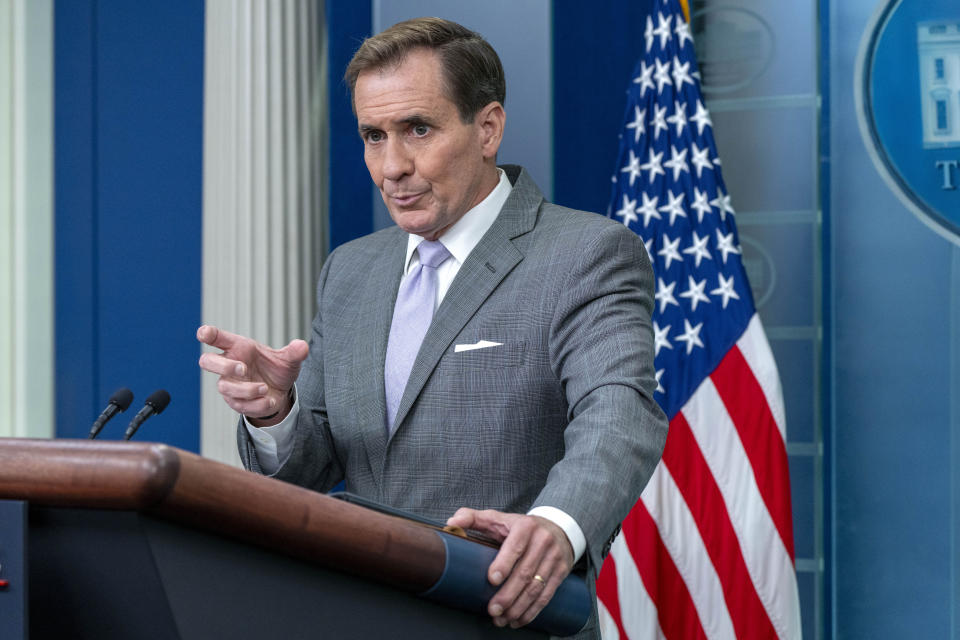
(122, 398)
(159, 400)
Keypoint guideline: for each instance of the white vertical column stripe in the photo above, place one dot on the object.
(260, 182)
(638, 613)
(767, 559)
(681, 537)
(263, 181)
(756, 351)
(26, 218)
(8, 373)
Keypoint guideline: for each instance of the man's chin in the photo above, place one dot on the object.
(418, 223)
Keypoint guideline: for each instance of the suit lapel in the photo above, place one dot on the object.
(372, 331)
(487, 265)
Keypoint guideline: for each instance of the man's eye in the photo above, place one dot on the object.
(421, 130)
(374, 136)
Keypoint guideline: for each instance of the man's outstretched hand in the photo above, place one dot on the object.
(534, 559)
(255, 380)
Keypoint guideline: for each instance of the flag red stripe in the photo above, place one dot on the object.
(689, 469)
(607, 593)
(745, 402)
(678, 616)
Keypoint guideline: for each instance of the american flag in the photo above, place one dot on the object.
(707, 552)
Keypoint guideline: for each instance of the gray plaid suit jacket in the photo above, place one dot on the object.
(561, 414)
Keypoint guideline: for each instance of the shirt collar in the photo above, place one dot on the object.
(465, 234)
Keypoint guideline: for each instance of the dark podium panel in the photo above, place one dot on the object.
(122, 540)
(13, 575)
(120, 574)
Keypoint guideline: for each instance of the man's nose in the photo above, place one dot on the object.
(397, 161)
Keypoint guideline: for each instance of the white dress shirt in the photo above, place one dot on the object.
(273, 444)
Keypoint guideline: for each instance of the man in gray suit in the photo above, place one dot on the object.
(488, 360)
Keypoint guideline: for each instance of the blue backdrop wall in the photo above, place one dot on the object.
(895, 436)
(128, 177)
(350, 205)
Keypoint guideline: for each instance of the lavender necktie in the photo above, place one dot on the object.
(411, 319)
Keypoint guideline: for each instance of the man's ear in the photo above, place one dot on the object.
(490, 121)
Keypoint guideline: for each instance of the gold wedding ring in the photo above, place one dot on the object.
(539, 579)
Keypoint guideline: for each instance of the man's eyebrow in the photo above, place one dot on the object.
(413, 120)
(416, 119)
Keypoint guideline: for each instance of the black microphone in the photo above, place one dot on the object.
(119, 402)
(155, 403)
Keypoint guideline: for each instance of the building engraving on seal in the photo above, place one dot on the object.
(938, 45)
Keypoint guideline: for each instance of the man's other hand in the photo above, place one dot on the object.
(534, 559)
(255, 380)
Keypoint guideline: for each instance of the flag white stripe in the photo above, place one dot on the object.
(681, 537)
(638, 614)
(755, 348)
(606, 623)
(766, 557)
(756, 351)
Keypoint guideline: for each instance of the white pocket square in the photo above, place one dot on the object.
(483, 344)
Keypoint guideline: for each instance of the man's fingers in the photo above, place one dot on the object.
(511, 551)
(518, 594)
(241, 390)
(519, 558)
(539, 602)
(464, 518)
(532, 562)
(535, 575)
(537, 594)
(295, 352)
(254, 379)
(215, 337)
(491, 523)
(221, 365)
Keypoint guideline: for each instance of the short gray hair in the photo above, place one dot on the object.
(471, 68)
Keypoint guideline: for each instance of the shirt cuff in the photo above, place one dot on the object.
(273, 444)
(570, 527)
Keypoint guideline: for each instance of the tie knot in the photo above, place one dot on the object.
(432, 253)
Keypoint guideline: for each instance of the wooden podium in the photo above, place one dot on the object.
(123, 540)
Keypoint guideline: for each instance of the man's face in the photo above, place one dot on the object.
(430, 167)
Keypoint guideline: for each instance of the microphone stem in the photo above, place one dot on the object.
(97, 426)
